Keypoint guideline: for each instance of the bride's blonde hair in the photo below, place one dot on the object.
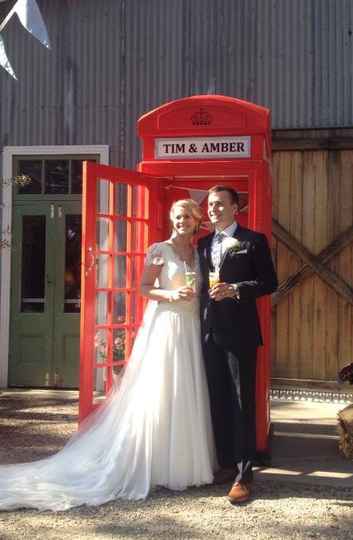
(190, 205)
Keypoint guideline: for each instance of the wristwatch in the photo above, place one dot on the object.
(236, 291)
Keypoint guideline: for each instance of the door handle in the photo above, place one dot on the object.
(49, 280)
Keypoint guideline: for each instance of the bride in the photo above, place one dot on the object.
(154, 429)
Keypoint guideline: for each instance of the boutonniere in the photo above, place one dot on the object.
(231, 245)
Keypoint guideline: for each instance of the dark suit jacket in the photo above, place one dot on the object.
(236, 322)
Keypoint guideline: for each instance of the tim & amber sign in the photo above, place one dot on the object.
(203, 148)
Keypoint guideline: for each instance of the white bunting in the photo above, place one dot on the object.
(30, 17)
(198, 195)
(4, 61)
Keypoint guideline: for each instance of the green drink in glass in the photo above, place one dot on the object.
(190, 280)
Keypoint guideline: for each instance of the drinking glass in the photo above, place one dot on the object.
(190, 279)
(213, 278)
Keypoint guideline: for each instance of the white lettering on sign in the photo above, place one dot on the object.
(203, 148)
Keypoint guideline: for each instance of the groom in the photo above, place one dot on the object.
(231, 333)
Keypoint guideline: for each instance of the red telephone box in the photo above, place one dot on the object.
(201, 141)
(189, 145)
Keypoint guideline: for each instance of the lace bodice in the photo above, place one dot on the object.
(172, 274)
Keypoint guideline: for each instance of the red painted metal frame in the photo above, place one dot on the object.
(214, 116)
(165, 182)
(142, 228)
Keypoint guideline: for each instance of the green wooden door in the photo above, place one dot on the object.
(45, 294)
(66, 312)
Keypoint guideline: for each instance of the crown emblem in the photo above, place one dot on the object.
(201, 118)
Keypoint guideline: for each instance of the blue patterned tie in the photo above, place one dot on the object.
(217, 249)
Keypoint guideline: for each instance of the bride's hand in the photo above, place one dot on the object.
(183, 293)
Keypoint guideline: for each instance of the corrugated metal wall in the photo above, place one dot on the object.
(112, 60)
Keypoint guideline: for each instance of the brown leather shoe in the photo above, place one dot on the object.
(224, 476)
(239, 493)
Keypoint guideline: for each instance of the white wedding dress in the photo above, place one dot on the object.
(153, 430)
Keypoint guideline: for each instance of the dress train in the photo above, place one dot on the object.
(154, 429)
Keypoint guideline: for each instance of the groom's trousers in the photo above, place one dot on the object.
(231, 376)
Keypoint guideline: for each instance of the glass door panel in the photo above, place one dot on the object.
(33, 170)
(33, 264)
(67, 304)
(72, 271)
(50, 176)
(56, 177)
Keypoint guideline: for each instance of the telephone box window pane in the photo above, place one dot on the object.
(56, 176)
(103, 234)
(101, 345)
(136, 270)
(136, 210)
(119, 308)
(102, 307)
(72, 275)
(139, 232)
(134, 308)
(136, 235)
(103, 197)
(119, 344)
(120, 272)
(143, 203)
(32, 169)
(120, 236)
(33, 264)
(120, 199)
(103, 271)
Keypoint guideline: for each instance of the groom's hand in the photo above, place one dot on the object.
(222, 290)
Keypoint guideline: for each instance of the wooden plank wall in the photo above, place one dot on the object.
(313, 201)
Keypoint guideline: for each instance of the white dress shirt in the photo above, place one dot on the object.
(216, 245)
(217, 252)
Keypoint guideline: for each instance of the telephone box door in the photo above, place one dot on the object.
(118, 225)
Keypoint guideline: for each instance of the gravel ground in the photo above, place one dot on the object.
(34, 424)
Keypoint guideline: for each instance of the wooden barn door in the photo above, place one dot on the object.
(313, 234)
